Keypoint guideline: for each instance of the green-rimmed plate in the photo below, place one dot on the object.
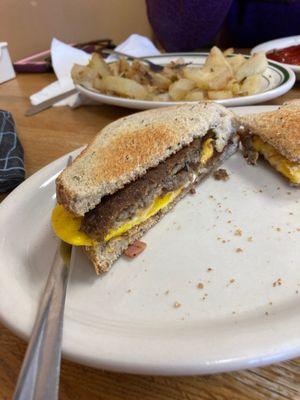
(278, 80)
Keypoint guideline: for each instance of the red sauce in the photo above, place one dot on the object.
(288, 55)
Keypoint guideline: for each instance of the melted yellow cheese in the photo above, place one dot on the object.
(289, 169)
(207, 151)
(67, 227)
(157, 205)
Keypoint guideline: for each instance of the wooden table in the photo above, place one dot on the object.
(47, 136)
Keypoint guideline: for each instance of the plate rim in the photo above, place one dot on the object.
(123, 365)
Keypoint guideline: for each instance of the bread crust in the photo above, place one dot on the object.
(125, 149)
(280, 128)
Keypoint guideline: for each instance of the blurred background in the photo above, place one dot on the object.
(178, 25)
(38, 21)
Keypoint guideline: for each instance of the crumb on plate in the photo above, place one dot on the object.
(238, 232)
(278, 282)
(221, 175)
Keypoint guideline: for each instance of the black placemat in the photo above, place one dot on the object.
(12, 171)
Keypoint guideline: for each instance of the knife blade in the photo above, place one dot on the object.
(48, 103)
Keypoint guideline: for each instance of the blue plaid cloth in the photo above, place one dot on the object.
(12, 171)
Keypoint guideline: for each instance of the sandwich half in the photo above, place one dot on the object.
(275, 135)
(135, 171)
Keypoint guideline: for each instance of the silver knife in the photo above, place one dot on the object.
(49, 103)
(39, 375)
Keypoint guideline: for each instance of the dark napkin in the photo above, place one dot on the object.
(12, 171)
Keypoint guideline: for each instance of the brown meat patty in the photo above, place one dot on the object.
(176, 171)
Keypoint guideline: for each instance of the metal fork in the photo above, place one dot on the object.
(154, 67)
(39, 375)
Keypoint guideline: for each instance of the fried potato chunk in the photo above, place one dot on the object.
(223, 75)
(179, 89)
(122, 86)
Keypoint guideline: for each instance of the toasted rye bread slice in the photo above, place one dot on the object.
(125, 149)
(104, 254)
(280, 128)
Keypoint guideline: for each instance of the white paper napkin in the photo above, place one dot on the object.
(64, 56)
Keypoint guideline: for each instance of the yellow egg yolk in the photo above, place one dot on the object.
(67, 227)
(207, 151)
(289, 169)
(157, 205)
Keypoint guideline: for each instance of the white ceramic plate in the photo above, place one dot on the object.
(280, 44)
(126, 320)
(277, 81)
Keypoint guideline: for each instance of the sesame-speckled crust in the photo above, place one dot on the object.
(280, 128)
(126, 148)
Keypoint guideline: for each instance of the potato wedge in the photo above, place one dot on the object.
(256, 64)
(236, 62)
(139, 72)
(160, 81)
(219, 94)
(228, 51)
(179, 89)
(98, 64)
(195, 95)
(123, 87)
(234, 86)
(204, 80)
(252, 84)
(83, 75)
(173, 70)
(98, 84)
(124, 66)
(216, 72)
(216, 80)
(216, 60)
(192, 73)
(114, 68)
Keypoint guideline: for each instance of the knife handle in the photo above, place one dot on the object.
(44, 105)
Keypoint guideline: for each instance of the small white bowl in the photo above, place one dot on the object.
(280, 44)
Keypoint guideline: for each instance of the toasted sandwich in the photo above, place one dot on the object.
(275, 135)
(135, 171)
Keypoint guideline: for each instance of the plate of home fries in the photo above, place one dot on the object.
(224, 77)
